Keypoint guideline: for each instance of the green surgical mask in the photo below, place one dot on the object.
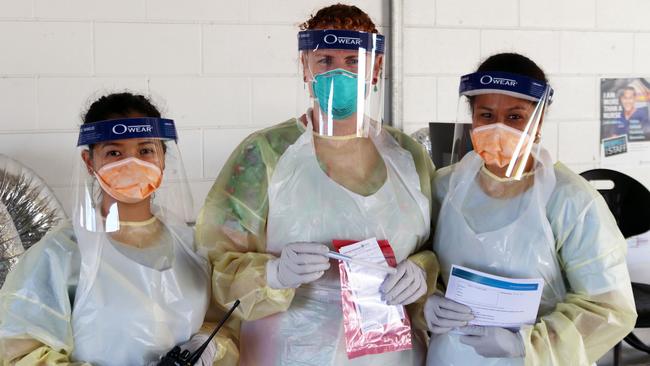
(338, 87)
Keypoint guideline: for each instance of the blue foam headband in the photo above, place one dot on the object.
(516, 85)
(340, 39)
(126, 128)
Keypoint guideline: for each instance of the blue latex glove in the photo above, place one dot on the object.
(493, 341)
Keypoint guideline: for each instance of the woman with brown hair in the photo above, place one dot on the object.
(120, 283)
(508, 210)
(289, 191)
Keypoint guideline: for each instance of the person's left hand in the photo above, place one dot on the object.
(208, 355)
(197, 340)
(405, 286)
(493, 341)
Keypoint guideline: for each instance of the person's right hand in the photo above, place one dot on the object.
(442, 314)
(299, 263)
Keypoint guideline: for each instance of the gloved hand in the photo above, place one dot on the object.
(443, 314)
(208, 355)
(405, 286)
(196, 341)
(493, 341)
(299, 263)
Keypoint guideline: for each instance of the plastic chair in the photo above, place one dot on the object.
(629, 202)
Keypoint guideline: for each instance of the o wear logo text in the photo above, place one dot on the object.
(333, 38)
(330, 38)
(487, 79)
(121, 129)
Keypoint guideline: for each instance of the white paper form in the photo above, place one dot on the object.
(495, 301)
(365, 282)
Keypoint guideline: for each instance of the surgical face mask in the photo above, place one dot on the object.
(496, 143)
(336, 91)
(129, 180)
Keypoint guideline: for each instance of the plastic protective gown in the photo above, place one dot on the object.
(587, 305)
(37, 299)
(232, 224)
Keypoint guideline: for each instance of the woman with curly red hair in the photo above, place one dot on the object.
(332, 173)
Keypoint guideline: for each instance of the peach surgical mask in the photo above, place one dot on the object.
(496, 143)
(129, 180)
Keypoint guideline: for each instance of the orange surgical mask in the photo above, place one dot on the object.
(129, 180)
(496, 143)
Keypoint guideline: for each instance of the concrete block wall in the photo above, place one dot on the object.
(575, 42)
(223, 69)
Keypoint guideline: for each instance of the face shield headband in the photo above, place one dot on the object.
(342, 70)
(126, 128)
(312, 40)
(103, 180)
(517, 86)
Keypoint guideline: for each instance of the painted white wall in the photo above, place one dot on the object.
(576, 42)
(223, 69)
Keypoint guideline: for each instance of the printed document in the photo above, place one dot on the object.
(495, 301)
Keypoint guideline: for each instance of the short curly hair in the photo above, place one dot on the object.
(340, 16)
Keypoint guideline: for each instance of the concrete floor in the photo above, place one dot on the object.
(631, 357)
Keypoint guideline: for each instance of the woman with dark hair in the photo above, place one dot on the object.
(121, 284)
(507, 210)
(332, 173)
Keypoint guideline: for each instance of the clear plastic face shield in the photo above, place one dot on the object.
(129, 170)
(505, 112)
(342, 89)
